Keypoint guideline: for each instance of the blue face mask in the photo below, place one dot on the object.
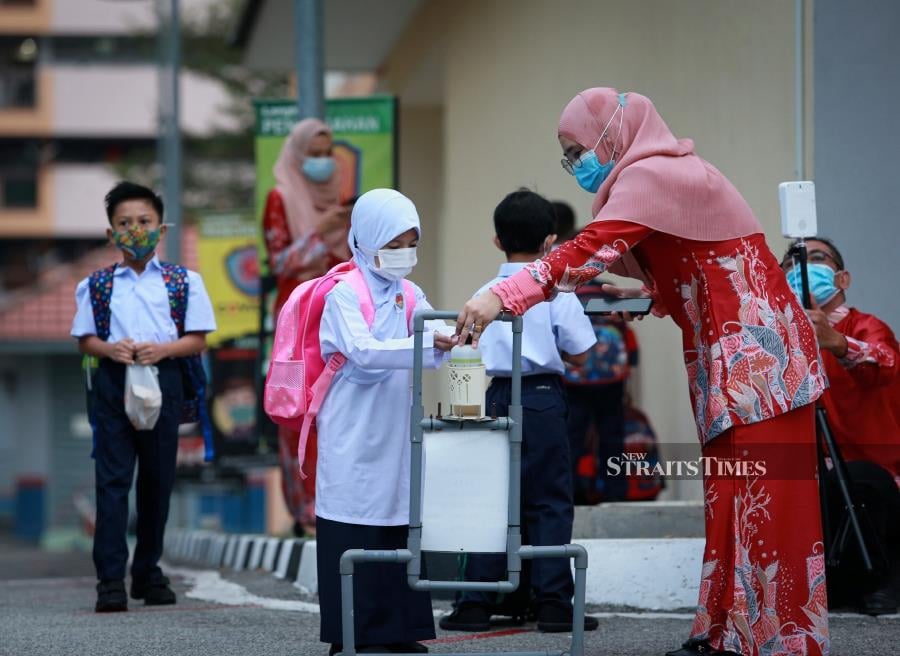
(318, 169)
(590, 173)
(821, 282)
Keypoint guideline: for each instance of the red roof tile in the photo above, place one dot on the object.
(44, 310)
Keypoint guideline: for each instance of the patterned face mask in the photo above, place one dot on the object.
(137, 241)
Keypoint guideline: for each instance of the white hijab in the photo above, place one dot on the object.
(379, 217)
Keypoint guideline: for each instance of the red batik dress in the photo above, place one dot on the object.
(293, 260)
(754, 372)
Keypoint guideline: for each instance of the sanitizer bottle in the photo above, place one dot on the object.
(467, 382)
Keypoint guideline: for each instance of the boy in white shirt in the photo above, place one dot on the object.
(525, 226)
(139, 311)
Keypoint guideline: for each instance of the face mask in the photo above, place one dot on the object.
(396, 263)
(137, 241)
(821, 282)
(318, 169)
(590, 173)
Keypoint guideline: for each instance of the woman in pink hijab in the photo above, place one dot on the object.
(305, 225)
(665, 216)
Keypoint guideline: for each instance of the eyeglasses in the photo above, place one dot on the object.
(569, 166)
(812, 257)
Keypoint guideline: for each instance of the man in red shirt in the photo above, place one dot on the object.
(862, 361)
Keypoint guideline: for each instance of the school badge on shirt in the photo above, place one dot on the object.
(398, 301)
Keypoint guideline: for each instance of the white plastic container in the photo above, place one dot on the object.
(467, 381)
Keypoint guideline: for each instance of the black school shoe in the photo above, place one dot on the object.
(408, 648)
(693, 647)
(467, 617)
(370, 649)
(155, 593)
(556, 619)
(880, 602)
(111, 597)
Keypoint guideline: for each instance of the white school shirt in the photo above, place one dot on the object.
(362, 472)
(139, 307)
(547, 329)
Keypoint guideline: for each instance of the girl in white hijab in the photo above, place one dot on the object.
(362, 485)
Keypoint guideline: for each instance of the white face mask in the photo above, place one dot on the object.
(396, 263)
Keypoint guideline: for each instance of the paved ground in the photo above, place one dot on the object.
(46, 608)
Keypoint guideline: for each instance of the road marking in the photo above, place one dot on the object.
(475, 636)
(208, 585)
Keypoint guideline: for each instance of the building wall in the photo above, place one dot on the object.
(16, 20)
(719, 71)
(121, 101)
(78, 192)
(102, 16)
(856, 145)
(421, 178)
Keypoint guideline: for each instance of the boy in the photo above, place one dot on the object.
(134, 322)
(525, 227)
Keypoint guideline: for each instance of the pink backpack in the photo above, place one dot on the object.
(298, 378)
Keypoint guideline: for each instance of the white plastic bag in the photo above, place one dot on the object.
(143, 398)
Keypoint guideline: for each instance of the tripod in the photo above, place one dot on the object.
(825, 441)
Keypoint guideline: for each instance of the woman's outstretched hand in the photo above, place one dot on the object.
(476, 315)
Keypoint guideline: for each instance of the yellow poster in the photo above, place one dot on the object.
(229, 265)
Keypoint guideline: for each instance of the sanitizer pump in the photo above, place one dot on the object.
(467, 382)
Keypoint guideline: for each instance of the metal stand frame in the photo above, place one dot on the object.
(515, 551)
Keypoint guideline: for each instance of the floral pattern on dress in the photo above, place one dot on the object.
(859, 352)
(752, 625)
(757, 368)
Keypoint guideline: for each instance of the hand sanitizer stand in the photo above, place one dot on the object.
(465, 477)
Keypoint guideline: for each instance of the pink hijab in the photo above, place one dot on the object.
(304, 201)
(657, 180)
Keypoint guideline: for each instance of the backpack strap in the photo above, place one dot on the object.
(175, 277)
(177, 284)
(100, 285)
(409, 293)
(319, 390)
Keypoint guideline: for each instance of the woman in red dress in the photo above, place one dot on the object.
(305, 227)
(667, 217)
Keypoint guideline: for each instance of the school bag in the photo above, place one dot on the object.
(298, 377)
(175, 277)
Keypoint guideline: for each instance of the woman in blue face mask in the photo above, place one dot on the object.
(667, 217)
(305, 223)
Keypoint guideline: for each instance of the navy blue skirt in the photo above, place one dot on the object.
(386, 609)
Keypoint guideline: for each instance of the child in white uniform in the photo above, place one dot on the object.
(362, 472)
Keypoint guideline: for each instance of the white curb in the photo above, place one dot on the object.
(653, 574)
(639, 573)
(269, 554)
(256, 553)
(284, 558)
(308, 574)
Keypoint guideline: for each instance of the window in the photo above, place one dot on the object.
(18, 57)
(18, 188)
(104, 49)
(18, 173)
